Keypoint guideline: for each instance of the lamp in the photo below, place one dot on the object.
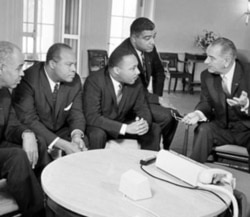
(247, 12)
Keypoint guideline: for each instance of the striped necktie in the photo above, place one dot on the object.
(54, 94)
(144, 67)
(119, 94)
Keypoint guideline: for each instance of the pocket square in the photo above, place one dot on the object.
(68, 107)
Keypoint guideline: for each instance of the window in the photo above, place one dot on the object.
(71, 26)
(123, 14)
(38, 27)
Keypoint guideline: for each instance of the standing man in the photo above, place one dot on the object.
(15, 165)
(115, 105)
(142, 43)
(49, 100)
(223, 110)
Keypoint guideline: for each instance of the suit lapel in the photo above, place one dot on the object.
(110, 86)
(45, 87)
(219, 90)
(236, 79)
(124, 98)
(60, 98)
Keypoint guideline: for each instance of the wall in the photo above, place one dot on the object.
(11, 13)
(95, 28)
(179, 22)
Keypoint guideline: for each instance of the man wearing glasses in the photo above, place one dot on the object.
(49, 102)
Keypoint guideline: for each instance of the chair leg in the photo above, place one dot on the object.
(169, 84)
(175, 84)
(190, 87)
(183, 84)
(185, 142)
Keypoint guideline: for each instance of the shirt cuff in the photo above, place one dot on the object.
(77, 131)
(123, 129)
(27, 131)
(202, 117)
(50, 147)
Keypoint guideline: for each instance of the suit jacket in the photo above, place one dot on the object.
(154, 68)
(100, 106)
(213, 100)
(34, 105)
(10, 128)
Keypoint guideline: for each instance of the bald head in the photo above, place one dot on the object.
(11, 64)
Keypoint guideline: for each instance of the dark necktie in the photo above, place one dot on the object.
(224, 85)
(119, 94)
(54, 94)
(144, 67)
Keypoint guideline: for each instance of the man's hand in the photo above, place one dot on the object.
(191, 118)
(30, 146)
(67, 147)
(77, 139)
(241, 101)
(138, 127)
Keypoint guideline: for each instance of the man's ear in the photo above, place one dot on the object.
(52, 64)
(116, 70)
(228, 60)
(132, 38)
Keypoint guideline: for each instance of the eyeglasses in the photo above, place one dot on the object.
(176, 115)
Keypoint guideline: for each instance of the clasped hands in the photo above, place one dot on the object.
(76, 145)
(138, 127)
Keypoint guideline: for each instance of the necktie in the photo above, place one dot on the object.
(144, 67)
(54, 94)
(224, 85)
(119, 94)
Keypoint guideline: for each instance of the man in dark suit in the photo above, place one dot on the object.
(49, 100)
(115, 105)
(223, 110)
(142, 44)
(18, 146)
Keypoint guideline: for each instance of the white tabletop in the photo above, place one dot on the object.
(87, 183)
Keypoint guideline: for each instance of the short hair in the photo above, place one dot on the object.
(227, 47)
(141, 24)
(55, 51)
(6, 50)
(117, 56)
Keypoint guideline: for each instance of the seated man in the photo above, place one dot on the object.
(142, 43)
(223, 110)
(14, 163)
(49, 100)
(115, 106)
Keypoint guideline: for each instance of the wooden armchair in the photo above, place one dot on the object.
(97, 59)
(237, 156)
(228, 155)
(172, 63)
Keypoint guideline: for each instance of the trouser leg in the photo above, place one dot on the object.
(151, 140)
(207, 135)
(168, 124)
(21, 181)
(97, 137)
